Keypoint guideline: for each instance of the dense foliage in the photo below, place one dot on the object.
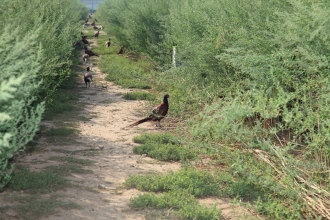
(253, 74)
(36, 44)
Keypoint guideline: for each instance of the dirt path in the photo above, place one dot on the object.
(109, 113)
(102, 139)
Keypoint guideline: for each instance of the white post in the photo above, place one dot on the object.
(173, 57)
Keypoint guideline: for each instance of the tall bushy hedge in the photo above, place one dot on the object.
(60, 24)
(20, 114)
(250, 71)
(36, 45)
(139, 25)
(262, 58)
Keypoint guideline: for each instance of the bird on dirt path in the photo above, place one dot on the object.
(97, 34)
(90, 53)
(88, 77)
(83, 36)
(85, 57)
(158, 113)
(84, 41)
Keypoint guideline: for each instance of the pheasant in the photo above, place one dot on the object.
(85, 57)
(108, 43)
(84, 41)
(121, 51)
(90, 53)
(158, 113)
(88, 78)
(83, 36)
(97, 34)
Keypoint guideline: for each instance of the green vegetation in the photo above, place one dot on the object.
(64, 100)
(84, 162)
(139, 96)
(37, 182)
(250, 87)
(61, 132)
(187, 208)
(33, 208)
(161, 138)
(162, 147)
(36, 48)
(67, 169)
(126, 72)
(197, 183)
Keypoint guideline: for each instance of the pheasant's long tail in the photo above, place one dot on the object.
(141, 121)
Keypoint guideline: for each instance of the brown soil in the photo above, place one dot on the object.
(103, 195)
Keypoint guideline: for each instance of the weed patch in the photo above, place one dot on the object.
(36, 182)
(67, 169)
(61, 132)
(32, 207)
(162, 138)
(187, 208)
(125, 72)
(197, 183)
(165, 152)
(162, 147)
(139, 96)
(33, 147)
(84, 162)
(61, 102)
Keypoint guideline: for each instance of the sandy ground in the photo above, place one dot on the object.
(109, 113)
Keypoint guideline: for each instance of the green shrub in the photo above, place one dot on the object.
(20, 112)
(35, 60)
(126, 72)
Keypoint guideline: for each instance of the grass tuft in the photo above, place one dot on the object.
(67, 169)
(187, 208)
(164, 147)
(31, 207)
(84, 162)
(197, 183)
(38, 182)
(161, 138)
(139, 96)
(61, 132)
